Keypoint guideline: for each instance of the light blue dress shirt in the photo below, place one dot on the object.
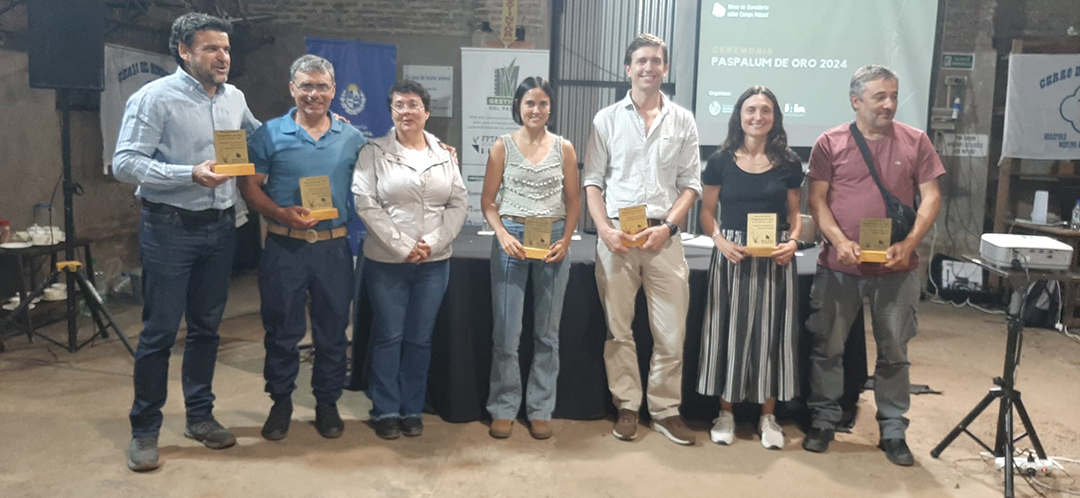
(168, 128)
(636, 168)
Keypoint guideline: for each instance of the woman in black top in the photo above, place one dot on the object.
(749, 336)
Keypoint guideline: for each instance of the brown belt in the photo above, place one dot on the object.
(311, 236)
(653, 222)
(521, 219)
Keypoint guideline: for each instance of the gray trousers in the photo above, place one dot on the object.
(835, 299)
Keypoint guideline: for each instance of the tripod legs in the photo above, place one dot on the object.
(101, 314)
(1004, 445)
(102, 318)
(963, 425)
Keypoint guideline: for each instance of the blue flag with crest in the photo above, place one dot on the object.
(363, 73)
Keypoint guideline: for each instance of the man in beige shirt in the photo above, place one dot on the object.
(643, 151)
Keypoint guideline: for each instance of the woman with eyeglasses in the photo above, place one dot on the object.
(410, 194)
(534, 172)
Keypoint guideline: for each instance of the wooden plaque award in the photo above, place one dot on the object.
(315, 195)
(874, 237)
(537, 237)
(761, 234)
(633, 220)
(230, 147)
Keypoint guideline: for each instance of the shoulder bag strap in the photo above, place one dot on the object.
(861, 142)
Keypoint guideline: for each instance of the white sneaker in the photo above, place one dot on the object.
(772, 436)
(723, 430)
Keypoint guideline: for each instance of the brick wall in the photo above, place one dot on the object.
(404, 17)
(1051, 18)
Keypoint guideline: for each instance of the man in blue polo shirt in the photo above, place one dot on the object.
(304, 258)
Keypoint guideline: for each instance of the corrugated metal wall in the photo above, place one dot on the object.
(588, 48)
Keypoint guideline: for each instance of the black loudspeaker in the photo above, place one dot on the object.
(66, 43)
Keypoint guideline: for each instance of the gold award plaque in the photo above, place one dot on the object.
(633, 220)
(315, 195)
(537, 237)
(761, 234)
(874, 237)
(230, 147)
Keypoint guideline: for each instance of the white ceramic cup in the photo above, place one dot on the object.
(1038, 208)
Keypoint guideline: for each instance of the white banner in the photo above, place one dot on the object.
(126, 70)
(1042, 107)
(489, 78)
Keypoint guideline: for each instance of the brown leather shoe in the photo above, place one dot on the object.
(626, 425)
(501, 428)
(676, 430)
(540, 429)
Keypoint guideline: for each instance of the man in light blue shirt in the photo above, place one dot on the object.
(305, 259)
(187, 235)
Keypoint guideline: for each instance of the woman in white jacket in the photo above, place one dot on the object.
(410, 194)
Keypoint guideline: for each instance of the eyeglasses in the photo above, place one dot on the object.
(312, 87)
(402, 107)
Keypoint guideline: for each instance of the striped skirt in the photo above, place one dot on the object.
(749, 337)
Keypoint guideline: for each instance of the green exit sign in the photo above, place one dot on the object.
(958, 61)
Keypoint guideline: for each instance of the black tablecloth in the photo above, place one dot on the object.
(461, 344)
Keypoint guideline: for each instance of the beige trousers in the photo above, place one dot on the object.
(664, 274)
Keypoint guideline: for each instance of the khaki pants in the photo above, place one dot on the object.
(664, 274)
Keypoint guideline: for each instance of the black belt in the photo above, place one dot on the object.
(206, 214)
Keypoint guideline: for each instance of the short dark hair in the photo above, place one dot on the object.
(528, 84)
(645, 40)
(185, 27)
(409, 86)
(776, 148)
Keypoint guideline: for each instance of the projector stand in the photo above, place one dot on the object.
(1004, 389)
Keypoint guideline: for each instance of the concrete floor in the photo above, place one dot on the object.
(64, 432)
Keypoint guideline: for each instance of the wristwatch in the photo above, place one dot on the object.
(673, 228)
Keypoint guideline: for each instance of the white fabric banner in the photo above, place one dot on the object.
(489, 78)
(126, 70)
(1042, 107)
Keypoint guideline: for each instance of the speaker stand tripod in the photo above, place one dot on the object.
(1004, 390)
(69, 267)
(76, 279)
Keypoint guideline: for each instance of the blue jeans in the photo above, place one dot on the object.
(509, 276)
(291, 270)
(405, 299)
(186, 268)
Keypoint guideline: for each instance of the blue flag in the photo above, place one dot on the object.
(363, 72)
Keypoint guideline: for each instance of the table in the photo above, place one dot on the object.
(26, 259)
(1070, 299)
(458, 380)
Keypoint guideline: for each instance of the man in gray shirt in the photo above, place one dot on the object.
(643, 151)
(187, 235)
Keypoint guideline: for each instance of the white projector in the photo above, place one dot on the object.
(1034, 252)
